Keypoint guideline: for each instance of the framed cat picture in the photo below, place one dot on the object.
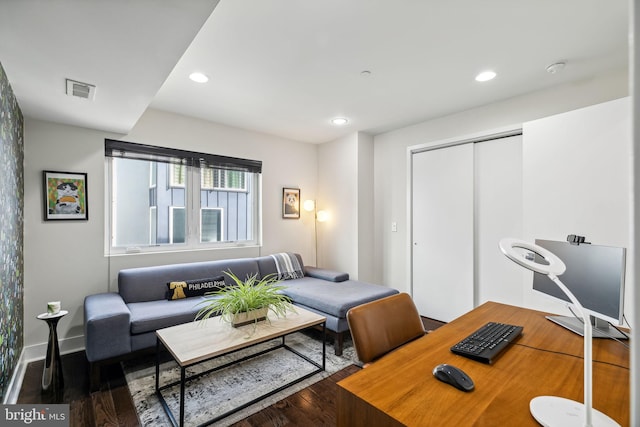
(65, 196)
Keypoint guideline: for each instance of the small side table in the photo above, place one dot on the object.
(52, 378)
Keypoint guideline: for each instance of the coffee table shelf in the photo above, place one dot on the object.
(196, 342)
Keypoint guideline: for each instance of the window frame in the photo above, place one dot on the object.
(192, 206)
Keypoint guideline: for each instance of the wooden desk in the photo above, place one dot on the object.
(399, 389)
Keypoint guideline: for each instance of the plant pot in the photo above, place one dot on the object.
(251, 316)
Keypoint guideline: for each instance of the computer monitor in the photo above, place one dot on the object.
(595, 275)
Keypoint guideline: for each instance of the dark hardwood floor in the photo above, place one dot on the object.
(112, 405)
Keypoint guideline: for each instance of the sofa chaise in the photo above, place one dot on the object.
(117, 324)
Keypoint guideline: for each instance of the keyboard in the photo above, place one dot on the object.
(487, 342)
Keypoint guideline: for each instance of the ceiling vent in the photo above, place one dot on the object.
(81, 90)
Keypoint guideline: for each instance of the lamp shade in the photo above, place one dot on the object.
(322, 216)
(309, 205)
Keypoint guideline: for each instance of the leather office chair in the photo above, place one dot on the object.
(383, 325)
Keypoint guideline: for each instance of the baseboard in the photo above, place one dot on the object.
(31, 354)
(11, 397)
(67, 345)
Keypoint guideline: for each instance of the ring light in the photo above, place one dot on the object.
(552, 411)
(555, 267)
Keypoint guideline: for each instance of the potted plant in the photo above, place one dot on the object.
(248, 301)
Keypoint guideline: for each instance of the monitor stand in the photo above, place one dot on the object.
(601, 328)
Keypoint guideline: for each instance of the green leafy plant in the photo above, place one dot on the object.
(244, 296)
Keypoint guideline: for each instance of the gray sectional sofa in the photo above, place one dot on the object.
(117, 324)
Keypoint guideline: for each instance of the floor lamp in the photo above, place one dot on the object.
(318, 216)
(554, 410)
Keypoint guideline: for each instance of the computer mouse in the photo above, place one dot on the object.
(454, 376)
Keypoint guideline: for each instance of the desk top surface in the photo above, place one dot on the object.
(545, 360)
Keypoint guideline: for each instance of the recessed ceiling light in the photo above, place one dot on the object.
(339, 121)
(199, 77)
(485, 76)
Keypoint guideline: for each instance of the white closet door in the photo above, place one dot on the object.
(443, 236)
(498, 214)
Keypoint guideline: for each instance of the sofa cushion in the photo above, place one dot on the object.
(149, 316)
(150, 283)
(194, 288)
(324, 274)
(332, 323)
(334, 298)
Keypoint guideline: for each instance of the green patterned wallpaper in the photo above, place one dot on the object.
(11, 234)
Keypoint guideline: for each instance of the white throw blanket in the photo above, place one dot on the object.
(288, 266)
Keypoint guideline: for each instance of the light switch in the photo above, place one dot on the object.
(394, 226)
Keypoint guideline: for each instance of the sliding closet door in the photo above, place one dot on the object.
(465, 199)
(498, 214)
(443, 224)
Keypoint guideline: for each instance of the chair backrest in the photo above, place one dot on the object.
(380, 326)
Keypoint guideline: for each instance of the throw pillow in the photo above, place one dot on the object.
(194, 288)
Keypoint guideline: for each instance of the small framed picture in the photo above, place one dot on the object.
(291, 203)
(65, 196)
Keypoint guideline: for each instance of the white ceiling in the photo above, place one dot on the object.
(286, 67)
(126, 48)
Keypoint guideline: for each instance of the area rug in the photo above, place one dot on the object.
(217, 392)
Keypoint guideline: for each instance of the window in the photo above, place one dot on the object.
(177, 175)
(153, 176)
(154, 194)
(206, 179)
(229, 180)
(153, 225)
(211, 225)
(177, 225)
(221, 179)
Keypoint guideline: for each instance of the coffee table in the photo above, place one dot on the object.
(196, 342)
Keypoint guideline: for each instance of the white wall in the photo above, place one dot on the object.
(366, 238)
(65, 260)
(577, 180)
(390, 156)
(345, 178)
(337, 195)
(634, 61)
